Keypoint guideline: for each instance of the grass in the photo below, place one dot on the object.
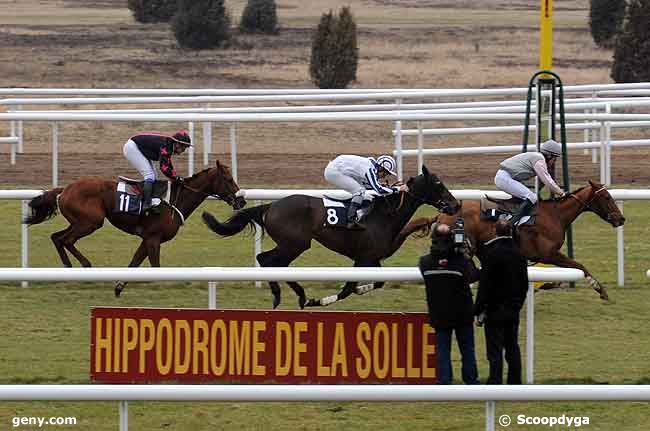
(579, 339)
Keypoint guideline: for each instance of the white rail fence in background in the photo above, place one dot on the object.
(258, 195)
(233, 118)
(245, 274)
(316, 393)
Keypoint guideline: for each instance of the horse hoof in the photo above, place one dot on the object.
(603, 294)
(311, 303)
(301, 302)
(119, 286)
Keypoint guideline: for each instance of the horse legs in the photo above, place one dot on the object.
(282, 257)
(68, 238)
(349, 288)
(563, 261)
(58, 244)
(153, 251)
(138, 258)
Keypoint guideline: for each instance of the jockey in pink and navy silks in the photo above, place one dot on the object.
(356, 174)
(141, 150)
(523, 167)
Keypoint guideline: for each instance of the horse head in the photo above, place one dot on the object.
(428, 188)
(599, 201)
(219, 181)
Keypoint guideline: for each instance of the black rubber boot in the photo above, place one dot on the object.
(147, 191)
(353, 221)
(521, 212)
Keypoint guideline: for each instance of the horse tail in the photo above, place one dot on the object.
(43, 207)
(237, 223)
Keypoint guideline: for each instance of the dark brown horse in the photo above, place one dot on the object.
(542, 241)
(294, 221)
(88, 201)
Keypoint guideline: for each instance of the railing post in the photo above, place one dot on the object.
(24, 240)
(490, 415)
(124, 416)
(530, 334)
(398, 144)
(608, 148)
(212, 295)
(420, 147)
(20, 131)
(207, 141)
(55, 154)
(620, 250)
(258, 246)
(190, 156)
(603, 166)
(233, 152)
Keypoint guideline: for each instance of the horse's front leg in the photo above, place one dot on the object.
(563, 261)
(138, 258)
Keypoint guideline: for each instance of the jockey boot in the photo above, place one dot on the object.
(521, 212)
(147, 191)
(353, 220)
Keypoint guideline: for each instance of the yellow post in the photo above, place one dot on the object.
(546, 35)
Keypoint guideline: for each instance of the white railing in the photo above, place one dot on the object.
(317, 393)
(258, 195)
(19, 392)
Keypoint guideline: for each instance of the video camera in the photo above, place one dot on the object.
(458, 233)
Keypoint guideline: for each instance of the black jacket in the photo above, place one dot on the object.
(449, 298)
(151, 145)
(504, 280)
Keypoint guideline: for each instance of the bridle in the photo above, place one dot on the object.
(587, 204)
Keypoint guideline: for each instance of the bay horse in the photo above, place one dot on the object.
(542, 241)
(88, 201)
(294, 221)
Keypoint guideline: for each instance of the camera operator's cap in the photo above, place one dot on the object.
(552, 148)
(388, 163)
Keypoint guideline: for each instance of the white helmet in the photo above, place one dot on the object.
(388, 163)
(552, 148)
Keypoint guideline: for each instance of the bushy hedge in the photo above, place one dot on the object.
(259, 16)
(201, 24)
(150, 11)
(606, 20)
(334, 51)
(632, 52)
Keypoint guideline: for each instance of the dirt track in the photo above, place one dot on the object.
(274, 170)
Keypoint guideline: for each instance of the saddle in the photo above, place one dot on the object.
(336, 211)
(129, 195)
(494, 209)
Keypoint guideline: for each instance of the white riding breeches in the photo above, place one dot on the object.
(139, 161)
(506, 183)
(342, 181)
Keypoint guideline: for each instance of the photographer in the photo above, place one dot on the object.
(501, 294)
(449, 300)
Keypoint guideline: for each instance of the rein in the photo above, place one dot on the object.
(587, 204)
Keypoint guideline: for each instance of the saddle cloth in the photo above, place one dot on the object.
(336, 211)
(494, 209)
(129, 195)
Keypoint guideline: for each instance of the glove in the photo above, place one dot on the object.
(180, 180)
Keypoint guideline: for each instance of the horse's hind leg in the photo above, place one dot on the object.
(281, 257)
(77, 232)
(60, 248)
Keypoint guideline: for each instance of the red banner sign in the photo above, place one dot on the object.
(152, 345)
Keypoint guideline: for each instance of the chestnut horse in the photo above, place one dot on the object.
(88, 201)
(542, 241)
(294, 221)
